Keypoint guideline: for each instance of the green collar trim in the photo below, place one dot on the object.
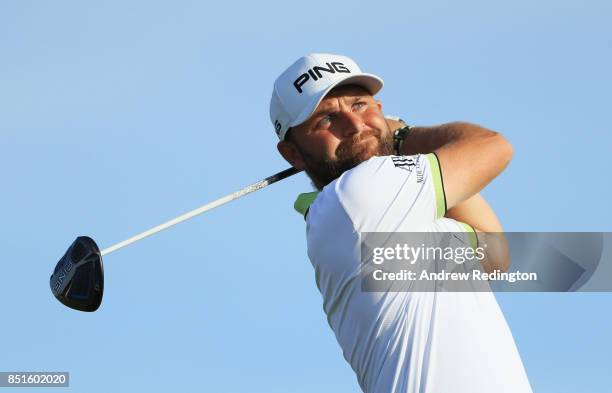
(303, 202)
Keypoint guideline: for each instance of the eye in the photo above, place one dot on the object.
(324, 122)
(359, 105)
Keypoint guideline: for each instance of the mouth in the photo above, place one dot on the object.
(365, 138)
(357, 146)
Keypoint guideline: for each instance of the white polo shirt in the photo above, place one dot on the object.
(415, 342)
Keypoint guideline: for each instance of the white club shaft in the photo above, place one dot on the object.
(209, 206)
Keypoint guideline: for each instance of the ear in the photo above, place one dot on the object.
(291, 154)
(379, 104)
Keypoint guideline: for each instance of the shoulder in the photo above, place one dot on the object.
(348, 192)
(381, 192)
(379, 175)
(371, 183)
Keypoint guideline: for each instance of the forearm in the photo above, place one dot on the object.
(422, 140)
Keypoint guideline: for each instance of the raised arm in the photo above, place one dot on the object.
(464, 204)
(470, 156)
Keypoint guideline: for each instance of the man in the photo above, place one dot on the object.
(330, 125)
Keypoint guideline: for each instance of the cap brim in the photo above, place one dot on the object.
(368, 81)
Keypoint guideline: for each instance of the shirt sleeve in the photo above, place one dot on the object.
(393, 193)
(449, 225)
(438, 184)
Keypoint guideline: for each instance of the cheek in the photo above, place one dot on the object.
(373, 117)
(323, 146)
(329, 146)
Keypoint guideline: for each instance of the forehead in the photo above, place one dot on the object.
(346, 91)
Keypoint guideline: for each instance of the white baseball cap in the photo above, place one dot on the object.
(299, 90)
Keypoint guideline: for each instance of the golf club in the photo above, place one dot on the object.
(78, 278)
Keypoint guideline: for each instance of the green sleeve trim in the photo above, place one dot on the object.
(438, 184)
(471, 234)
(303, 201)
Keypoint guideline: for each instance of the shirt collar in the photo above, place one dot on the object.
(303, 202)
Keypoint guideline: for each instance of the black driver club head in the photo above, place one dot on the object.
(78, 278)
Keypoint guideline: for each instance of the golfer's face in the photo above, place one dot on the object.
(347, 124)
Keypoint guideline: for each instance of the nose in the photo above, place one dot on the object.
(349, 124)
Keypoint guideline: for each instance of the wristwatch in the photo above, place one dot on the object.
(400, 134)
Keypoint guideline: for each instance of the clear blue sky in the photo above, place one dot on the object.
(116, 116)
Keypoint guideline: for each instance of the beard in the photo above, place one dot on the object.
(349, 154)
